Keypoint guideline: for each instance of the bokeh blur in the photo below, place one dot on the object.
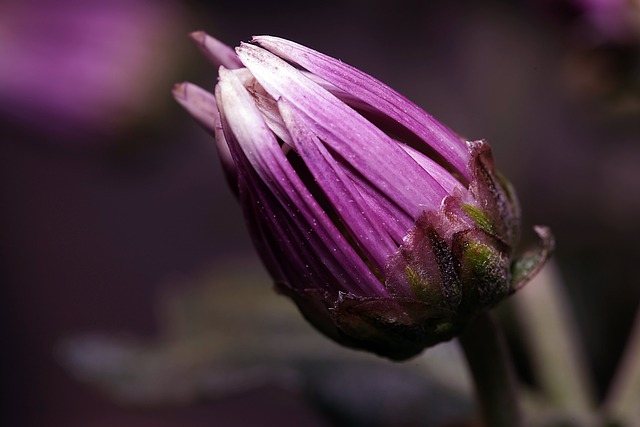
(110, 193)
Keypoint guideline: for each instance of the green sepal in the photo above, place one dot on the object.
(526, 266)
(479, 217)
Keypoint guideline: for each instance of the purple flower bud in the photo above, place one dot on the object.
(388, 230)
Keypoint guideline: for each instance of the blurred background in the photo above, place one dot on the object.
(110, 195)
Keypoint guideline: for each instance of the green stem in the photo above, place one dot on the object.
(551, 336)
(621, 403)
(486, 353)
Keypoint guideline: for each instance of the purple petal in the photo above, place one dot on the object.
(198, 102)
(267, 106)
(365, 147)
(397, 222)
(202, 107)
(444, 177)
(375, 93)
(292, 215)
(216, 51)
(367, 230)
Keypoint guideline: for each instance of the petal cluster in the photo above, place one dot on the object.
(386, 228)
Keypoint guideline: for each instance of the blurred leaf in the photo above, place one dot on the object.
(231, 333)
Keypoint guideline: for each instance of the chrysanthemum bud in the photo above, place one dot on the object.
(388, 230)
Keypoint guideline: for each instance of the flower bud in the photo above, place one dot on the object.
(388, 230)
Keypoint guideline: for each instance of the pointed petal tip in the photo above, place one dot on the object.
(179, 91)
(256, 39)
(216, 51)
(222, 72)
(198, 36)
(245, 48)
(243, 45)
(199, 103)
(184, 92)
(547, 237)
(263, 37)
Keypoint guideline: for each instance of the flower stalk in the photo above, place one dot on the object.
(492, 371)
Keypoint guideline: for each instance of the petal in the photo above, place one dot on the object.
(287, 210)
(268, 107)
(216, 51)
(444, 178)
(365, 227)
(265, 104)
(202, 107)
(198, 102)
(359, 143)
(397, 222)
(378, 95)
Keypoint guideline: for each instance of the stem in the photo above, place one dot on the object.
(621, 404)
(492, 372)
(545, 314)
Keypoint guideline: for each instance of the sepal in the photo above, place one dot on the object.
(527, 265)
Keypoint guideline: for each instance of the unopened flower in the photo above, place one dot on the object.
(388, 230)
